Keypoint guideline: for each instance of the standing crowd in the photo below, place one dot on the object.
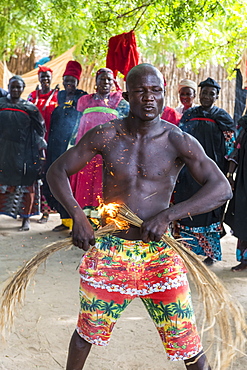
(110, 145)
(66, 115)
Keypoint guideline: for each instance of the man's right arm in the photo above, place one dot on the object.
(58, 179)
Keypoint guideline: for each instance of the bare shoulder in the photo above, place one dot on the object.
(175, 135)
(110, 128)
(186, 146)
(99, 136)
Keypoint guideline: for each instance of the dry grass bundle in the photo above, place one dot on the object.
(223, 323)
(14, 292)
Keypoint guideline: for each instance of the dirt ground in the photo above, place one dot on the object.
(44, 325)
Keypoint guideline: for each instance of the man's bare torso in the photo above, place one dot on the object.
(138, 169)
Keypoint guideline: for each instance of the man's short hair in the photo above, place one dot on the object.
(137, 69)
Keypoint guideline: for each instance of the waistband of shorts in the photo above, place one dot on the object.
(111, 241)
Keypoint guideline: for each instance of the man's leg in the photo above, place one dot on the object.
(78, 352)
(200, 364)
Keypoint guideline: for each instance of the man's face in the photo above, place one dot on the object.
(146, 94)
(70, 84)
(187, 96)
(15, 89)
(208, 96)
(45, 79)
(104, 83)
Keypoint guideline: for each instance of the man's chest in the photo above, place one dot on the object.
(143, 158)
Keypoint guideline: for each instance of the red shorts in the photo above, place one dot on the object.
(116, 271)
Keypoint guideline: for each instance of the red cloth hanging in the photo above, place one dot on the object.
(122, 53)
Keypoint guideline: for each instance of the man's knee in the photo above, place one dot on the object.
(198, 362)
(80, 343)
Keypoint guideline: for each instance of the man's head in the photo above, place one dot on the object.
(71, 76)
(145, 91)
(209, 92)
(187, 92)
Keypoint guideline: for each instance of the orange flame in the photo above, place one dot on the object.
(110, 213)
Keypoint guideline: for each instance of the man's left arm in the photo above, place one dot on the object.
(214, 192)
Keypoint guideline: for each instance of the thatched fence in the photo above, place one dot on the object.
(23, 62)
(173, 75)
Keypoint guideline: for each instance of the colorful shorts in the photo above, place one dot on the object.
(116, 271)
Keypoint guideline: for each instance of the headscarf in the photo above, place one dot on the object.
(74, 69)
(44, 69)
(187, 83)
(108, 70)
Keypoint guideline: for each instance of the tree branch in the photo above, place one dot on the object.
(138, 20)
(135, 9)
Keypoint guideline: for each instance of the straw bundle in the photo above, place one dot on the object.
(14, 292)
(223, 323)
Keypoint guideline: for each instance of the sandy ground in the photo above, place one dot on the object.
(44, 325)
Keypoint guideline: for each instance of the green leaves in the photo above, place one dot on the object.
(195, 31)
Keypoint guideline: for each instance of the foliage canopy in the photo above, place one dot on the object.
(195, 31)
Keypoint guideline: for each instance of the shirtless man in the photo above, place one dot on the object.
(142, 158)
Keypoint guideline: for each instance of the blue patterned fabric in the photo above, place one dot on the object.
(204, 241)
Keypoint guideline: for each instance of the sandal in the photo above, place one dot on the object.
(61, 227)
(43, 219)
(242, 266)
(25, 225)
(209, 261)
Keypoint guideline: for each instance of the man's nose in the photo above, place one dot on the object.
(148, 95)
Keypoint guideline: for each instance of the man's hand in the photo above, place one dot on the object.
(82, 233)
(154, 228)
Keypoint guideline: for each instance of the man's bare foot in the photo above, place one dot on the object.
(242, 266)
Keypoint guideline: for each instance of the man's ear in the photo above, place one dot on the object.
(217, 96)
(125, 95)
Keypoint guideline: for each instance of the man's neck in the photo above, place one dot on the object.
(70, 95)
(136, 126)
